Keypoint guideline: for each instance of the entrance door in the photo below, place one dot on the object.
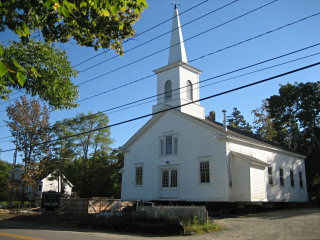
(169, 183)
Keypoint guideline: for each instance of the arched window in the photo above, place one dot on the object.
(189, 91)
(167, 90)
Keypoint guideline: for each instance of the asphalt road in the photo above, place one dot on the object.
(284, 224)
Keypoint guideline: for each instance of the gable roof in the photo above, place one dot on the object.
(231, 132)
(253, 138)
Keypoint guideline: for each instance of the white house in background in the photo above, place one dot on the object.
(178, 155)
(50, 183)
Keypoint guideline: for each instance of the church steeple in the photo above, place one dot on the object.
(177, 49)
(178, 82)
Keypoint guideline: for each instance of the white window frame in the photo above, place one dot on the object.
(189, 90)
(167, 90)
(291, 178)
(136, 175)
(300, 180)
(270, 175)
(281, 177)
(206, 181)
(164, 143)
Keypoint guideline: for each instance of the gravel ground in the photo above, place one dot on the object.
(281, 224)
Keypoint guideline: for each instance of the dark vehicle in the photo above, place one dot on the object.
(50, 200)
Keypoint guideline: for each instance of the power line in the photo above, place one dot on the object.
(143, 32)
(161, 35)
(178, 106)
(220, 81)
(159, 51)
(217, 76)
(127, 106)
(148, 41)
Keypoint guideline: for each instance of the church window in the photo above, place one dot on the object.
(168, 90)
(281, 176)
(204, 172)
(291, 178)
(189, 91)
(168, 145)
(300, 179)
(139, 175)
(270, 177)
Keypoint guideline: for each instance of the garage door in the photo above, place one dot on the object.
(257, 183)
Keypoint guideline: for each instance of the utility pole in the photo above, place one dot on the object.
(13, 175)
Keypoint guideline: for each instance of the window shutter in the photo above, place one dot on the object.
(175, 141)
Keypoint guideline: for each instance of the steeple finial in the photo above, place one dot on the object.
(177, 49)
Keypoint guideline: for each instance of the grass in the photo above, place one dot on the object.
(195, 227)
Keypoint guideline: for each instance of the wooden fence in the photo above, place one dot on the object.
(176, 212)
(90, 205)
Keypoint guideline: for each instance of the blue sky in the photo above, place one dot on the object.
(286, 40)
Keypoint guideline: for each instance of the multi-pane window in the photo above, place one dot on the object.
(281, 177)
(174, 178)
(167, 90)
(165, 178)
(270, 177)
(291, 178)
(204, 172)
(168, 145)
(139, 175)
(189, 91)
(300, 179)
(169, 178)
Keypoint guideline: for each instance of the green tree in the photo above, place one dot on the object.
(5, 169)
(236, 120)
(91, 23)
(292, 119)
(263, 124)
(85, 154)
(29, 125)
(47, 71)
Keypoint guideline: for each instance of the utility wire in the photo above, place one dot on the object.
(220, 81)
(194, 36)
(224, 74)
(143, 32)
(129, 105)
(161, 35)
(178, 106)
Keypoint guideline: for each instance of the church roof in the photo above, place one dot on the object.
(231, 132)
(177, 49)
(238, 133)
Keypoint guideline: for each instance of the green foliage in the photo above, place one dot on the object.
(236, 120)
(86, 159)
(292, 119)
(193, 226)
(38, 69)
(5, 169)
(92, 23)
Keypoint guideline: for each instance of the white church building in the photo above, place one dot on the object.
(178, 155)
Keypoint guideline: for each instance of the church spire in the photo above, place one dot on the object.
(177, 49)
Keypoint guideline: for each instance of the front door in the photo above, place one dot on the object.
(169, 183)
